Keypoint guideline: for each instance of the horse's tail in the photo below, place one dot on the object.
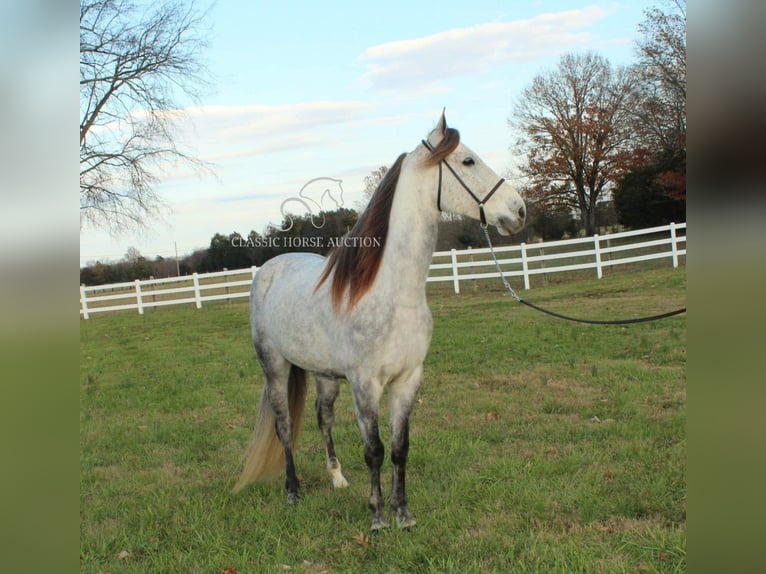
(265, 457)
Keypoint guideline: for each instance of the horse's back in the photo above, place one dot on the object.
(286, 270)
(286, 315)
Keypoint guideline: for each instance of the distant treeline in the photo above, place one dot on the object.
(318, 234)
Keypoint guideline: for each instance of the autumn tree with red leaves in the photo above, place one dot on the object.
(575, 129)
(654, 191)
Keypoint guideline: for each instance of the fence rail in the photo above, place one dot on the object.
(597, 253)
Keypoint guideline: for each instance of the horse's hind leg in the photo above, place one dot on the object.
(286, 392)
(327, 391)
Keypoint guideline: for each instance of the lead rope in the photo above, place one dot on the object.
(565, 317)
(497, 265)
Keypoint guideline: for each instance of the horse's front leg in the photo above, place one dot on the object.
(402, 394)
(366, 403)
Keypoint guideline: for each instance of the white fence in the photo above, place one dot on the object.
(525, 260)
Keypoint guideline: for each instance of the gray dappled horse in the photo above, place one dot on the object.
(361, 314)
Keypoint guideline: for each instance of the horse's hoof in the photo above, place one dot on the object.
(378, 524)
(293, 498)
(338, 480)
(405, 520)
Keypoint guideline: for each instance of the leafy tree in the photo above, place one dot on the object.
(651, 195)
(133, 266)
(575, 129)
(135, 59)
(654, 192)
(226, 251)
(89, 275)
(165, 267)
(551, 223)
(336, 224)
(661, 108)
(193, 262)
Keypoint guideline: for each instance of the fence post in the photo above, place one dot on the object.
(673, 246)
(84, 302)
(542, 263)
(609, 247)
(597, 252)
(197, 296)
(524, 265)
(455, 279)
(253, 270)
(226, 284)
(139, 299)
(474, 284)
(154, 295)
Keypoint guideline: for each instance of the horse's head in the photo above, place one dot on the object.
(467, 186)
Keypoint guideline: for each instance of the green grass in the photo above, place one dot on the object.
(537, 445)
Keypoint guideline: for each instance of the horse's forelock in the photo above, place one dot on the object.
(446, 146)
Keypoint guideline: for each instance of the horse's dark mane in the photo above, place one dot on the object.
(356, 264)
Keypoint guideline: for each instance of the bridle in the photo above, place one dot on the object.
(481, 202)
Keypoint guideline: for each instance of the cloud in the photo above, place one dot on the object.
(421, 63)
(289, 143)
(223, 136)
(247, 122)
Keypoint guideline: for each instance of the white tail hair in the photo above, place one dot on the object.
(265, 457)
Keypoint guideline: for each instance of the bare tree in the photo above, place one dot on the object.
(574, 125)
(371, 183)
(136, 60)
(661, 113)
(132, 255)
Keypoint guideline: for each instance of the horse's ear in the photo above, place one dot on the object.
(441, 127)
(439, 131)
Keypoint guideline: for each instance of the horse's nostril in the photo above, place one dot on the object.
(522, 212)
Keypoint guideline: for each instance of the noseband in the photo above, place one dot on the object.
(481, 202)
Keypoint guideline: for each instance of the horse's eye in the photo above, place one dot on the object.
(468, 161)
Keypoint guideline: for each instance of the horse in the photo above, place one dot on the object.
(360, 314)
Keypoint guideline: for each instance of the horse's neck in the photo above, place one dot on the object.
(412, 233)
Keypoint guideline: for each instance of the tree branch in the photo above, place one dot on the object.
(133, 65)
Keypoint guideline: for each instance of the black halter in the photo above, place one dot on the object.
(481, 202)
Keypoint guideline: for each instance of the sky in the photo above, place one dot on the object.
(305, 90)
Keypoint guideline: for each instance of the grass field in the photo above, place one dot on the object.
(537, 445)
